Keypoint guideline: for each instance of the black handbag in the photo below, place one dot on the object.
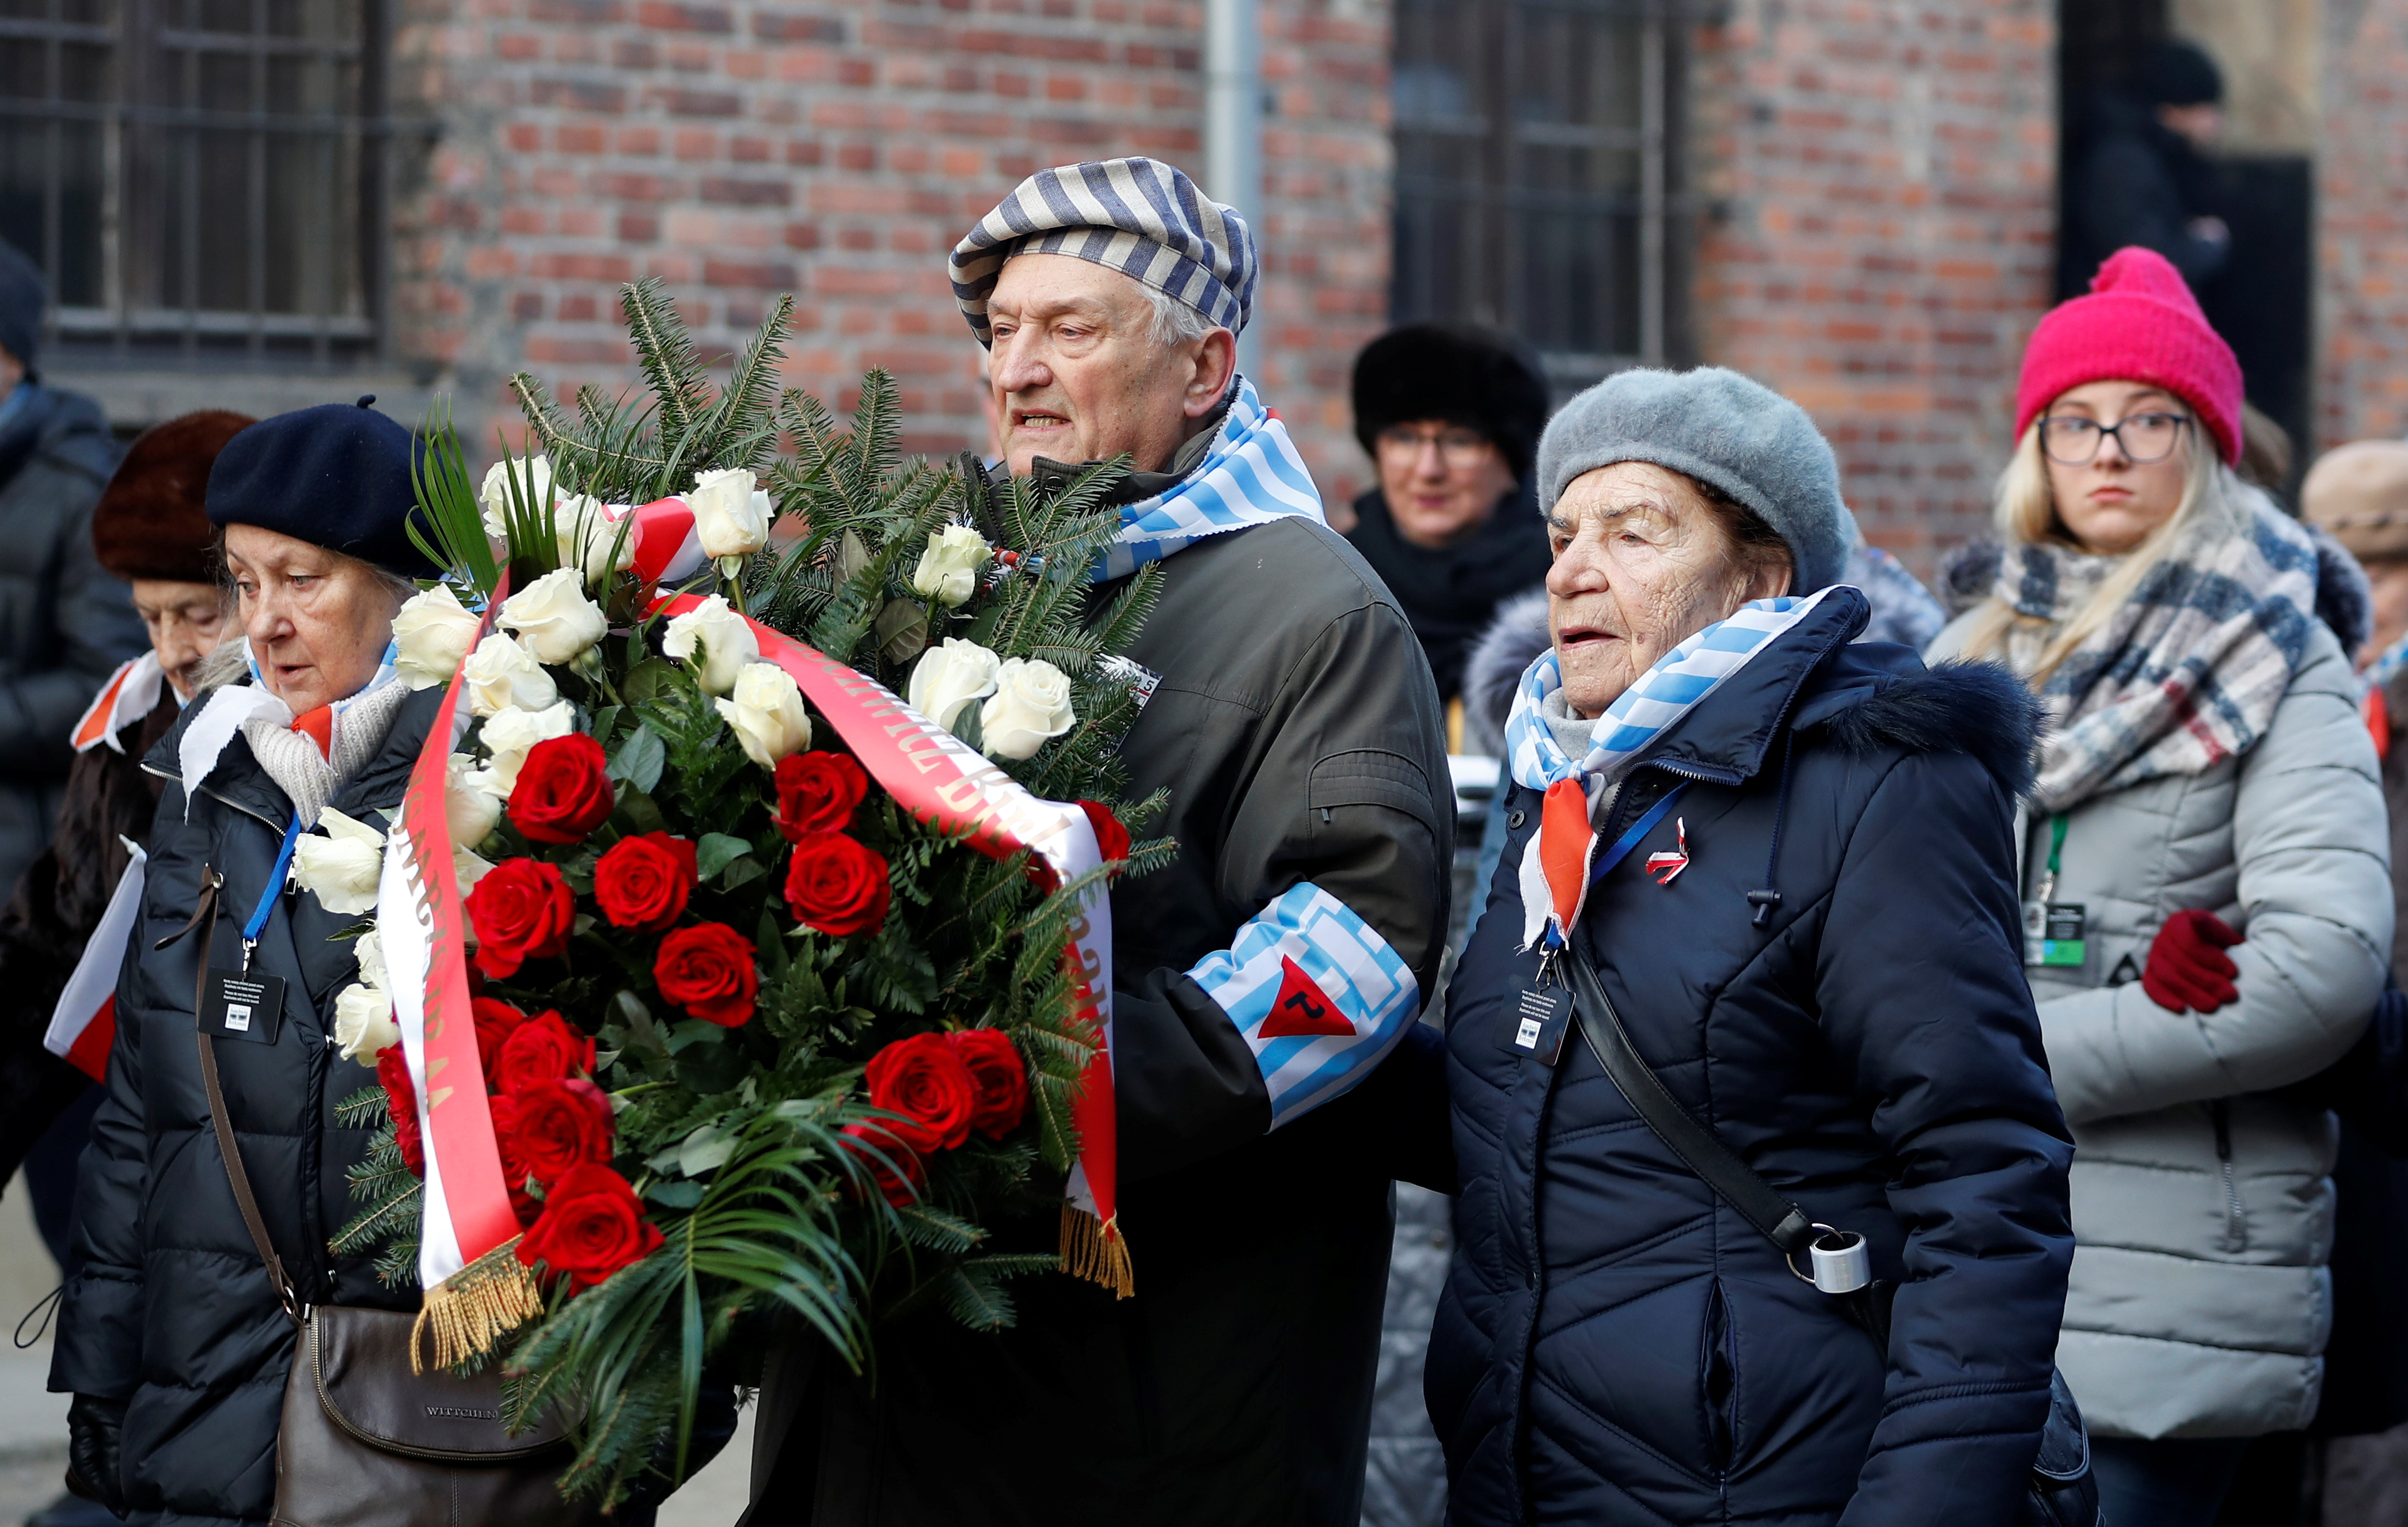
(2062, 1492)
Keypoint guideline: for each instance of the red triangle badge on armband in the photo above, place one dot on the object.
(1302, 1009)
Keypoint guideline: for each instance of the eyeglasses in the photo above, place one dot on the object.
(1460, 448)
(2073, 441)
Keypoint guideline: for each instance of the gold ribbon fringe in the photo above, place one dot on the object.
(465, 1314)
(1096, 1251)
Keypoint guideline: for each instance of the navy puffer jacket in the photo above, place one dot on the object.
(1616, 1346)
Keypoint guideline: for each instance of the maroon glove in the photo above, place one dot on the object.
(2187, 966)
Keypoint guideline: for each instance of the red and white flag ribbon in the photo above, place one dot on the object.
(131, 694)
(84, 1024)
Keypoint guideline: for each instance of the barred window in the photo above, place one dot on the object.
(200, 180)
(1539, 175)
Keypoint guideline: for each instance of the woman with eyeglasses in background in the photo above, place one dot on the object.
(2207, 916)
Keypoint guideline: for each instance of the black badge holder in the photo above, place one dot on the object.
(235, 1004)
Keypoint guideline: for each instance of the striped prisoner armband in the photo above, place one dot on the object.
(1319, 996)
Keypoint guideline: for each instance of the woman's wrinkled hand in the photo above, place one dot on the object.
(2187, 966)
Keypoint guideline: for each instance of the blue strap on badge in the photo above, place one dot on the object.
(267, 907)
(1630, 840)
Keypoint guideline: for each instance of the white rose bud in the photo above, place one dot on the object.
(500, 673)
(509, 733)
(342, 869)
(725, 638)
(553, 617)
(470, 807)
(468, 869)
(766, 712)
(368, 949)
(1031, 707)
(949, 568)
(949, 677)
(363, 1023)
(731, 512)
(432, 634)
(587, 536)
(505, 482)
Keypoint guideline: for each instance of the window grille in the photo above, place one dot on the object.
(201, 180)
(1538, 175)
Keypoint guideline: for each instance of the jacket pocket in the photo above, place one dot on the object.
(1717, 1379)
(1372, 776)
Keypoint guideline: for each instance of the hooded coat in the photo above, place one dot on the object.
(172, 1312)
(1616, 1346)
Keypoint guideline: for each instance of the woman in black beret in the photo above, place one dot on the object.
(173, 1340)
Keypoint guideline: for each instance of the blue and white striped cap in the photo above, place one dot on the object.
(1140, 217)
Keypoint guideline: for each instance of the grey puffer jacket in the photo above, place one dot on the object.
(2202, 1200)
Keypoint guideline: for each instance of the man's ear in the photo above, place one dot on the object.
(1216, 364)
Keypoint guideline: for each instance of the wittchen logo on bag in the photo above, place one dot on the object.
(464, 1413)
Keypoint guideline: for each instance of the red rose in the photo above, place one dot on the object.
(1112, 838)
(401, 1101)
(542, 1049)
(642, 883)
(504, 1112)
(496, 1021)
(592, 1226)
(818, 793)
(837, 885)
(1000, 1100)
(557, 1125)
(923, 1079)
(562, 793)
(522, 910)
(884, 1154)
(707, 971)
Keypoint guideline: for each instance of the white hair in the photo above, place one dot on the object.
(1174, 321)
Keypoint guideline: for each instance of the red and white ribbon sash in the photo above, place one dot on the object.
(945, 782)
(421, 924)
(131, 694)
(84, 1024)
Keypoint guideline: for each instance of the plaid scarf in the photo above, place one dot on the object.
(1251, 476)
(2186, 674)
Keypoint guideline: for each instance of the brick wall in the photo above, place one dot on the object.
(1883, 176)
(2362, 224)
(837, 149)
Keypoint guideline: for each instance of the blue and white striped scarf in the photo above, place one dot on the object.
(2379, 674)
(1666, 691)
(1252, 475)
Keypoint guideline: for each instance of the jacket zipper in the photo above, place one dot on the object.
(2236, 1230)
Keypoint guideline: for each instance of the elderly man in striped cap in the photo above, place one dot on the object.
(1266, 990)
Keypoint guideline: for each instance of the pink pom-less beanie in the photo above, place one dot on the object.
(2139, 323)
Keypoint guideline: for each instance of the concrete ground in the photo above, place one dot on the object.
(32, 1423)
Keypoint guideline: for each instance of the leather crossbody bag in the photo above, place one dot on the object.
(2062, 1493)
(364, 1441)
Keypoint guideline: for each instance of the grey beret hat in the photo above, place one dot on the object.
(1720, 428)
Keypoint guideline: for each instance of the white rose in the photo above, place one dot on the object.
(432, 634)
(553, 617)
(363, 1023)
(511, 481)
(766, 712)
(470, 807)
(949, 677)
(342, 869)
(509, 733)
(500, 673)
(949, 568)
(1031, 706)
(368, 949)
(725, 638)
(468, 869)
(731, 512)
(587, 536)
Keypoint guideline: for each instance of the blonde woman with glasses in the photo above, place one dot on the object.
(2206, 914)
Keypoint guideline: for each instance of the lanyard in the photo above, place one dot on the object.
(2056, 855)
(1553, 940)
(257, 923)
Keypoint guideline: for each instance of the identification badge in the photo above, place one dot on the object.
(240, 1006)
(1535, 1026)
(2053, 933)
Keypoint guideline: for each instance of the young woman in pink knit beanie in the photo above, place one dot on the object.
(2207, 904)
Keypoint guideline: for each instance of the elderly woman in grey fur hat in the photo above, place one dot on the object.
(1783, 865)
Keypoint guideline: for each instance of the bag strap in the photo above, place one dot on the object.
(1738, 1184)
(206, 915)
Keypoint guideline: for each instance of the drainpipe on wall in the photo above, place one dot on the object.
(1233, 122)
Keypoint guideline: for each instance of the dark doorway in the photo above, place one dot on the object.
(2259, 301)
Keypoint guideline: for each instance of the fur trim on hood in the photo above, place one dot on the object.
(1512, 643)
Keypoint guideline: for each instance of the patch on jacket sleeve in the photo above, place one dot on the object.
(1317, 993)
